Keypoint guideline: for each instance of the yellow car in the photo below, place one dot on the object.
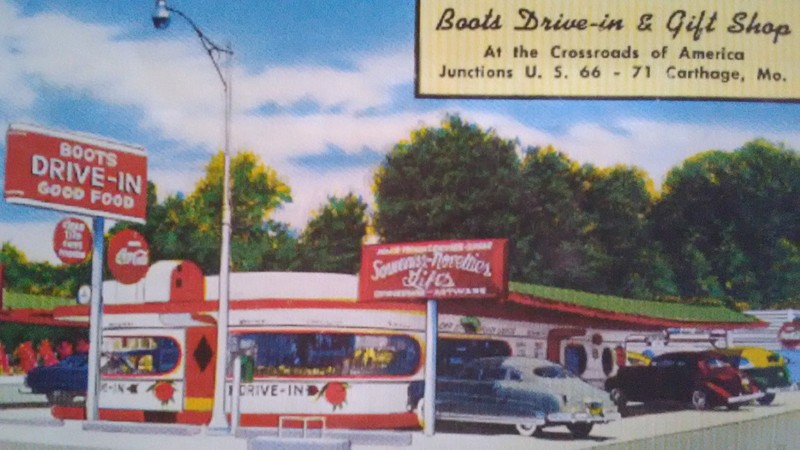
(637, 359)
(766, 368)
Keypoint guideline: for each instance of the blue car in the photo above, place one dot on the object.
(61, 382)
(528, 393)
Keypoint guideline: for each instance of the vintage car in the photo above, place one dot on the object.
(636, 359)
(528, 393)
(61, 382)
(766, 368)
(703, 379)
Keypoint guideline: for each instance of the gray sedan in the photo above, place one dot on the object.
(525, 392)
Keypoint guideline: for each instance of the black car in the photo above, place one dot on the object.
(61, 382)
(702, 379)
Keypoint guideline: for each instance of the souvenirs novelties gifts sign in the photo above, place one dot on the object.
(434, 270)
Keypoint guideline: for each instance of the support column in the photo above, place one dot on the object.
(431, 334)
(95, 319)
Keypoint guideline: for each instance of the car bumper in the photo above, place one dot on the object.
(582, 417)
(776, 390)
(745, 398)
(509, 420)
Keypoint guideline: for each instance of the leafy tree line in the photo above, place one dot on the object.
(189, 227)
(723, 227)
(41, 278)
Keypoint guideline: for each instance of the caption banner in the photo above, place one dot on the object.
(707, 49)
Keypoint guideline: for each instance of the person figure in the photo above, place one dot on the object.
(47, 354)
(5, 368)
(83, 346)
(64, 349)
(26, 357)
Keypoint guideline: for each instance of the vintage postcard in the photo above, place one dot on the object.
(399, 224)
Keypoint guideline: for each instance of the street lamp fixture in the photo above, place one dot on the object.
(161, 15)
(161, 20)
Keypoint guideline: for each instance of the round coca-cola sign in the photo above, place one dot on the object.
(789, 335)
(72, 241)
(128, 256)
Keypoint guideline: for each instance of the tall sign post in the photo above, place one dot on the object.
(83, 174)
(431, 272)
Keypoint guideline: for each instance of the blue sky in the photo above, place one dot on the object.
(321, 91)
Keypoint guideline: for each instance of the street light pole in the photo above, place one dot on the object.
(161, 19)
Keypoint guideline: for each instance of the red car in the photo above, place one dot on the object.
(702, 379)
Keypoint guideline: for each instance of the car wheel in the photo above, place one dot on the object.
(766, 399)
(580, 430)
(419, 410)
(619, 398)
(528, 429)
(59, 398)
(699, 399)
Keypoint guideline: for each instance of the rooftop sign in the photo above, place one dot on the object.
(434, 270)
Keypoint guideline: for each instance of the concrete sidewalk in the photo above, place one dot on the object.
(11, 397)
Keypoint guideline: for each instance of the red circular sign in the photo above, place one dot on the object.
(72, 241)
(128, 256)
(789, 335)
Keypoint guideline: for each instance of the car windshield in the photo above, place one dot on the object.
(716, 363)
(75, 362)
(553, 372)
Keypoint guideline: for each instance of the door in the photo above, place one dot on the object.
(201, 354)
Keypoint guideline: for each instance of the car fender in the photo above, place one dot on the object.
(717, 390)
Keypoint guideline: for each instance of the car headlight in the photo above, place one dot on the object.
(594, 408)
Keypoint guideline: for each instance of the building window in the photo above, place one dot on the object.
(139, 355)
(608, 361)
(575, 358)
(453, 353)
(328, 354)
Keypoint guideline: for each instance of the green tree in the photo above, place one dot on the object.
(617, 204)
(256, 192)
(331, 241)
(14, 261)
(729, 221)
(550, 241)
(190, 228)
(455, 181)
(41, 278)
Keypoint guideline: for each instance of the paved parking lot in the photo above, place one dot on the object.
(770, 427)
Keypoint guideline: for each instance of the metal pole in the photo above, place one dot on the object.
(237, 393)
(95, 321)
(429, 399)
(219, 421)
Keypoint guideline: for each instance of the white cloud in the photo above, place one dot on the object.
(655, 146)
(368, 85)
(311, 191)
(179, 95)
